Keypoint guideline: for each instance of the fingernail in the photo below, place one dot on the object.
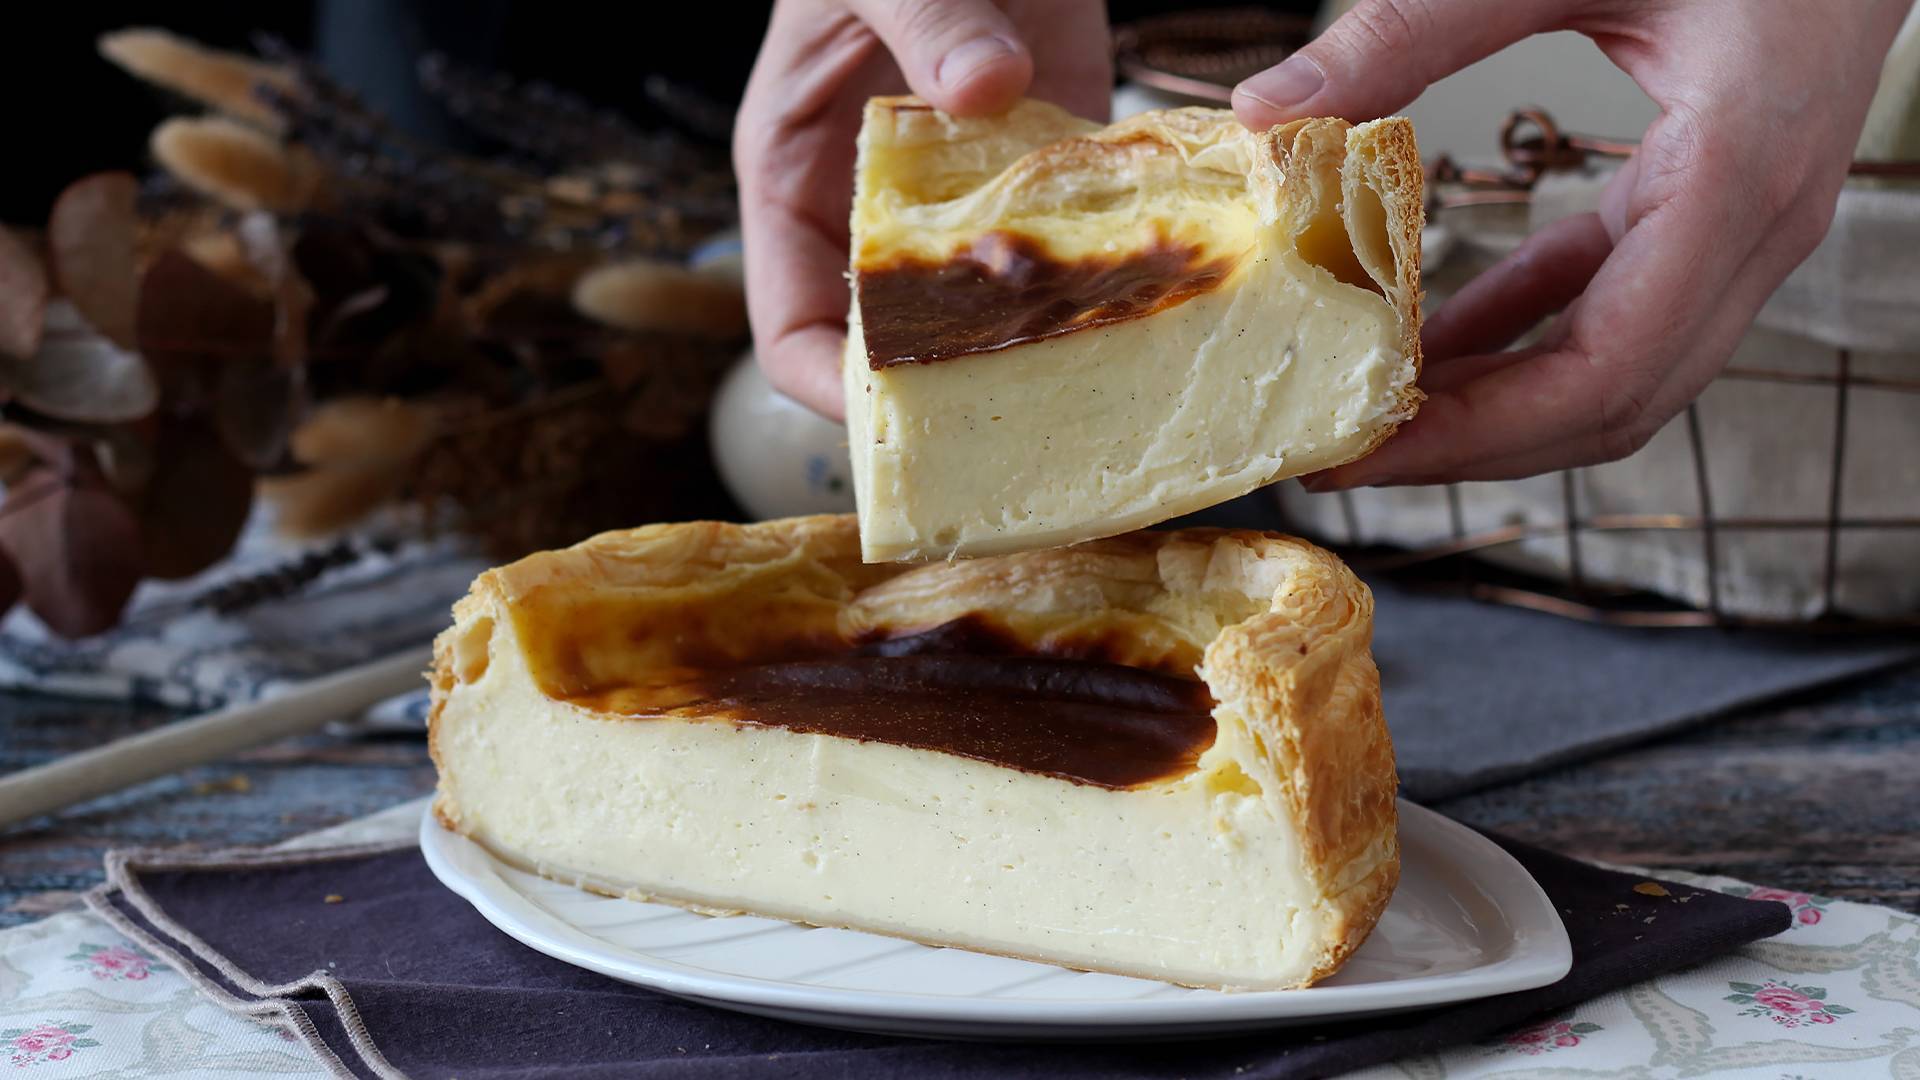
(1294, 81)
(964, 59)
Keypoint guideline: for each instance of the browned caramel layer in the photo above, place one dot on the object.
(1005, 289)
(958, 689)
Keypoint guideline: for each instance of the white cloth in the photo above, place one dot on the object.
(1860, 289)
(172, 651)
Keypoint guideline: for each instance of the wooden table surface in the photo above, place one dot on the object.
(1816, 793)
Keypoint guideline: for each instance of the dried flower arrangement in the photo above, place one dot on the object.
(306, 305)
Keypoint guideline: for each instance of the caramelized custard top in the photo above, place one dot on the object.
(963, 688)
(1005, 289)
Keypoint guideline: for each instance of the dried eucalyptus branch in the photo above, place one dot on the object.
(312, 304)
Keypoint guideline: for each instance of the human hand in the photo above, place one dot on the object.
(793, 145)
(1735, 183)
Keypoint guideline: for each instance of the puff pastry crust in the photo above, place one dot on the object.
(1265, 865)
(1062, 331)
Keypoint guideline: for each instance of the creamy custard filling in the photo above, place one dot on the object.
(1308, 364)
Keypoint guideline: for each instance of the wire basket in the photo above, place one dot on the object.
(1202, 54)
(1171, 54)
(1533, 147)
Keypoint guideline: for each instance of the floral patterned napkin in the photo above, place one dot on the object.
(1837, 995)
(78, 999)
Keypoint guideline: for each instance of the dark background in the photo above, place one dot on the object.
(67, 112)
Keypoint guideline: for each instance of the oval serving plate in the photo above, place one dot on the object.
(1466, 922)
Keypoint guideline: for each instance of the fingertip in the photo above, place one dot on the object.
(1253, 112)
(1280, 93)
(963, 57)
(817, 390)
(826, 395)
(805, 366)
(983, 75)
(1406, 457)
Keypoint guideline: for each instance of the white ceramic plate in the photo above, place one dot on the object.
(1467, 922)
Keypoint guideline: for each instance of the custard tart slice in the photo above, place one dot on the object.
(1061, 331)
(1159, 754)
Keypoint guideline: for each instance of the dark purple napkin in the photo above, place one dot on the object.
(379, 964)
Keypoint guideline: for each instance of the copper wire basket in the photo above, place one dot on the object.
(1168, 54)
(1533, 146)
(1202, 54)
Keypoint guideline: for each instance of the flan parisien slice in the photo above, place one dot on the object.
(1160, 754)
(1061, 331)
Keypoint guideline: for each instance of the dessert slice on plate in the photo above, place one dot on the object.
(1160, 754)
(1061, 331)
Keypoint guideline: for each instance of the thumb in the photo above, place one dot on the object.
(961, 56)
(1379, 56)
